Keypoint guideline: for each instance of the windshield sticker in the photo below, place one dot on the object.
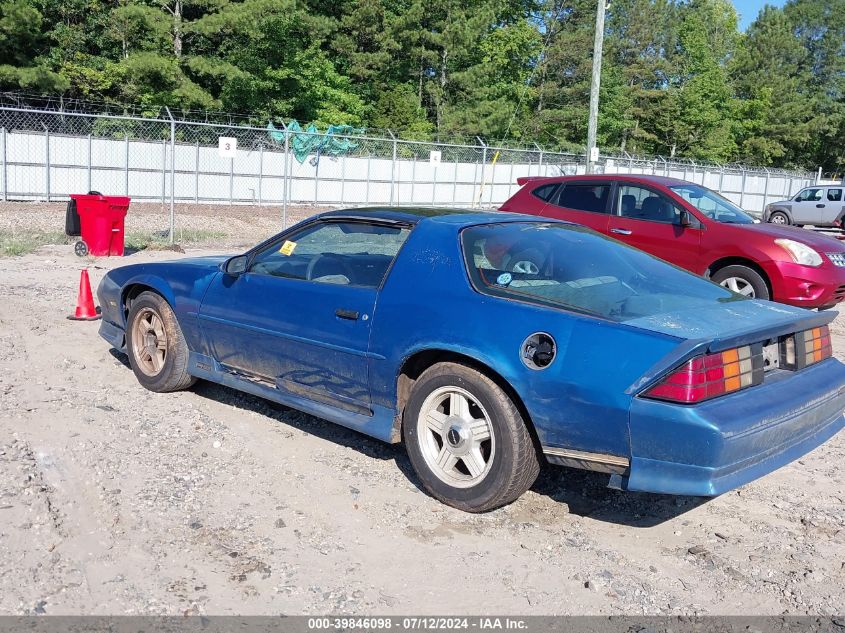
(287, 248)
(504, 279)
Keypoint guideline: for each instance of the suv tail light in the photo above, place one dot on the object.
(705, 377)
(805, 348)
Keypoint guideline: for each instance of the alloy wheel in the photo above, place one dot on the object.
(149, 342)
(738, 285)
(456, 437)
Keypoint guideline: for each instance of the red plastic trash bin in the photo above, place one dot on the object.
(101, 224)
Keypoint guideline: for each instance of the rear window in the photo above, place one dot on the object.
(585, 197)
(545, 192)
(572, 267)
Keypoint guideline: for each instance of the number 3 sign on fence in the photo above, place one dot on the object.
(227, 146)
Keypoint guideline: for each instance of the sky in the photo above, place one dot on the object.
(748, 10)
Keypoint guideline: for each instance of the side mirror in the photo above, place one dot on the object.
(684, 219)
(235, 265)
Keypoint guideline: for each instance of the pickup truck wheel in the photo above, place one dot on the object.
(779, 217)
(467, 440)
(158, 353)
(742, 280)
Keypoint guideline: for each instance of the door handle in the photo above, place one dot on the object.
(621, 231)
(819, 206)
(351, 315)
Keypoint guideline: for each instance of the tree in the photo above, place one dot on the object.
(770, 69)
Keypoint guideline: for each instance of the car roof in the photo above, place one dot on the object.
(652, 178)
(415, 215)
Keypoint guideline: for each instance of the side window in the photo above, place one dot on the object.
(834, 195)
(644, 204)
(585, 197)
(809, 195)
(345, 253)
(545, 192)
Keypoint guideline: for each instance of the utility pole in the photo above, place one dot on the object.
(598, 44)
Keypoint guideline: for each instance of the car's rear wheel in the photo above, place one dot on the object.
(742, 280)
(779, 217)
(158, 353)
(467, 441)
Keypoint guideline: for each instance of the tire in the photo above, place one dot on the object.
(151, 316)
(740, 278)
(779, 217)
(828, 306)
(80, 248)
(495, 471)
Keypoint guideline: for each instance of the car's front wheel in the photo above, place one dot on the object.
(742, 280)
(158, 353)
(779, 217)
(467, 441)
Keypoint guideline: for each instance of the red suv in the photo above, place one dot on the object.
(697, 229)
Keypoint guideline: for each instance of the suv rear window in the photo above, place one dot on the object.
(585, 197)
(545, 192)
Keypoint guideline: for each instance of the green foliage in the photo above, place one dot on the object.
(677, 76)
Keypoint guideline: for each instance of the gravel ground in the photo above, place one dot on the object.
(114, 500)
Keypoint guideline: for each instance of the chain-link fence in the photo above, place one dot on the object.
(47, 155)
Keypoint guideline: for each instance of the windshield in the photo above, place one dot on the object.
(563, 265)
(712, 204)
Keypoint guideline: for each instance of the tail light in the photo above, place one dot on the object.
(705, 377)
(805, 348)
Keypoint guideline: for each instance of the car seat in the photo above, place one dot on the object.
(657, 209)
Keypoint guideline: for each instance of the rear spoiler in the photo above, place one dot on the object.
(694, 347)
(522, 180)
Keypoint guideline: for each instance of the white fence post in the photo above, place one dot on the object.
(342, 178)
(260, 171)
(477, 202)
(393, 171)
(90, 186)
(163, 170)
(286, 181)
(367, 189)
(766, 190)
(5, 173)
(172, 175)
(126, 165)
(539, 164)
(47, 162)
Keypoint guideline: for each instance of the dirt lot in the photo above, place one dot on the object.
(114, 500)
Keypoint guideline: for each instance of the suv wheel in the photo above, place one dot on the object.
(779, 217)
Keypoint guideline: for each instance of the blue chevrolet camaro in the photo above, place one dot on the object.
(489, 343)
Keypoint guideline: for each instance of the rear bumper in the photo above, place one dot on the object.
(804, 286)
(711, 448)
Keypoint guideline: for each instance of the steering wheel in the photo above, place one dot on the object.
(525, 266)
(527, 261)
(312, 265)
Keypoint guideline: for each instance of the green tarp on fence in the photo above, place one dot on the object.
(310, 141)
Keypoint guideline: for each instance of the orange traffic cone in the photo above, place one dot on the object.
(85, 310)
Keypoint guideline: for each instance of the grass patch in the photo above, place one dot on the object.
(160, 240)
(23, 242)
